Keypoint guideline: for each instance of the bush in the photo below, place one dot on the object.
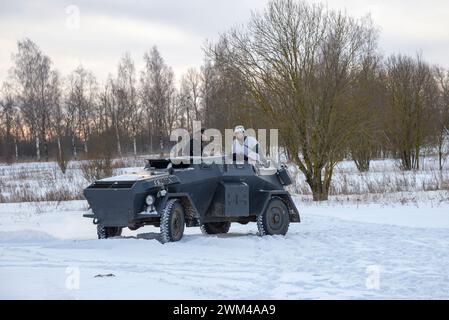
(97, 169)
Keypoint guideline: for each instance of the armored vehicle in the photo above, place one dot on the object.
(172, 194)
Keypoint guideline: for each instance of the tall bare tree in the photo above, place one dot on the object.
(8, 112)
(191, 96)
(58, 117)
(225, 100)
(411, 102)
(368, 96)
(442, 114)
(299, 62)
(32, 74)
(126, 98)
(80, 102)
(157, 86)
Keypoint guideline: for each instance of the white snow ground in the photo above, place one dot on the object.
(339, 251)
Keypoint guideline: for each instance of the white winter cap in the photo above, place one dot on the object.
(238, 129)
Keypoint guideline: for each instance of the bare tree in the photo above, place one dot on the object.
(157, 86)
(58, 118)
(225, 99)
(32, 74)
(442, 114)
(8, 112)
(208, 79)
(173, 108)
(368, 97)
(116, 113)
(80, 103)
(411, 92)
(299, 62)
(191, 96)
(126, 98)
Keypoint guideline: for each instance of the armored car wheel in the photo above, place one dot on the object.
(172, 221)
(108, 232)
(275, 220)
(215, 227)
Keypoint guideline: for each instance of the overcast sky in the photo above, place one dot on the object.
(107, 29)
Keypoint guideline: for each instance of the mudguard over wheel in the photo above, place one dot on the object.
(215, 227)
(275, 220)
(108, 232)
(172, 221)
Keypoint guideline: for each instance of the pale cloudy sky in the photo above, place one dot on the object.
(179, 28)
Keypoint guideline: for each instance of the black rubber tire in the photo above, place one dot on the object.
(172, 221)
(215, 227)
(275, 220)
(108, 232)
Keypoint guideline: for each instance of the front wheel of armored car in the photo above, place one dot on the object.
(275, 220)
(108, 232)
(215, 227)
(172, 221)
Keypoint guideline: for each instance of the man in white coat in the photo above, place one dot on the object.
(245, 147)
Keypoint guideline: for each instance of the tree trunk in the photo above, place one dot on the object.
(85, 147)
(38, 151)
(151, 141)
(117, 136)
(161, 144)
(16, 147)
(188, 121)
(362, 165)
(74, 147)
(61, 158)
(59, 146)
(8, 140)
(320, 188)
(440, 151)
(319, 193)
(417, 158)
(362, 161)
(406, 159)
(45, 147)
(135, 146)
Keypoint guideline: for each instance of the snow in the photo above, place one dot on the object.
(383, 177)
(339, 251)
(129, 177)
(385, 225)
(40, 180)
(423, 215)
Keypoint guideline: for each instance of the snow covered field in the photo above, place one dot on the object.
(339, 251)
(382, 234)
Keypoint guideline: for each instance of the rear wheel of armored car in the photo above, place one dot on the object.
(215, 227)
(108, 232)
(172, 221)
(275, 219)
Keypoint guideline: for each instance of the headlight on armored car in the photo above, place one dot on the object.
(149, 200)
